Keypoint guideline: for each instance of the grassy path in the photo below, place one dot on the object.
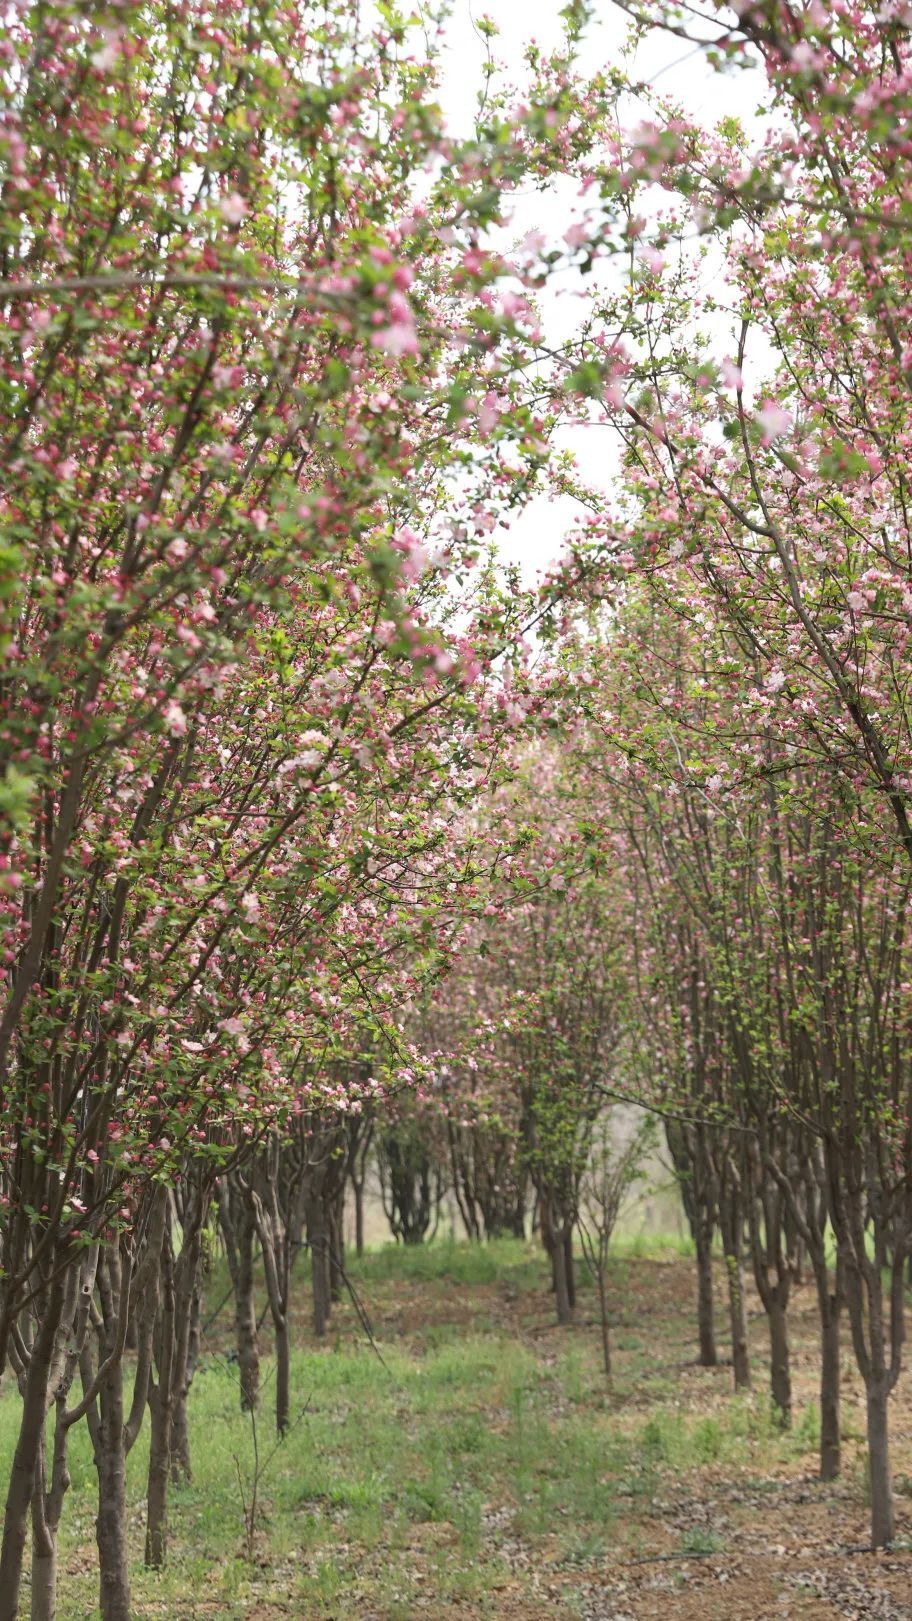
(484, 1469)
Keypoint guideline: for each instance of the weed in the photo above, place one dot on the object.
(701, 1539)
(806, 1432)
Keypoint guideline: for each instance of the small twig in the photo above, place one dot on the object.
(363, 1318)
(218, 1311)
(280, 1441)
(667, 1558)
(259, 1470)
(247, 1531)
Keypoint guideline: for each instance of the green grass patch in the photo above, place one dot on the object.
(406, 1478)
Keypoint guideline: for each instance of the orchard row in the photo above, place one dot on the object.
(312, 813)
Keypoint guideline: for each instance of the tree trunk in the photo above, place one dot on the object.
(335, 1251)
(882, 1521)
(245, 1323)
(738, 1318)
(780, 1369)
(28, 1444)
(561, 1285)
(548, 1237)
(706, 1329)
(606, 1336)
(570, 1268)
(316, 1235)
(181, 1471)
(188, 1305)
(359, 1218)
(283, 1375)
(44, 1580)
(47, 1509)
(187, 1353)
(111, 1522)
(161, 1408)
(159, 1474)
(44, 1557)
(830, 1438)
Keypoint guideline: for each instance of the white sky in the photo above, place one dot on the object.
(534, 539)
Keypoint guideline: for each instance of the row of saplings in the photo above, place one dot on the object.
(768, 1202)
(768, 1194)
(763, 1196)
(777, 1197)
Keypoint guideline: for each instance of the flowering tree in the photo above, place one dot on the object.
(799, 935)
(252, 335)
(769, 464)
(774, 504)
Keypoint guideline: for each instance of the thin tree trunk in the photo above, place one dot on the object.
(28, 1445)
(570, 1268)
(111, 1521)
(780, 1369)
(548, 1236)
(316, 1234)
(359, 1218)
(830, 1436)
(706, 1328)
(187, 1353)
(161, 1408)
(44, 1580)
(738, 1318)
(335, 1253)
(882, 1517)
(187, 1306)
(44, 1545)
(49, 1496)
(245, 1322)
(181, 1471)
(603, 1312)
(47, 1509)
(283, 1374)
(561, 1289)
(128, 1288)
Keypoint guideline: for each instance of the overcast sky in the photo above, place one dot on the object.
(535, 537)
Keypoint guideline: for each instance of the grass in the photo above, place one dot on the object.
(414, 1481)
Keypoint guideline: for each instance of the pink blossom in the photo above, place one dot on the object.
(175, 719)
(653, 259)
(532, 243)
(110, 52)
(398, 339)
(233, 208)
(773, 420)
(803, 55)
(488, 413)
